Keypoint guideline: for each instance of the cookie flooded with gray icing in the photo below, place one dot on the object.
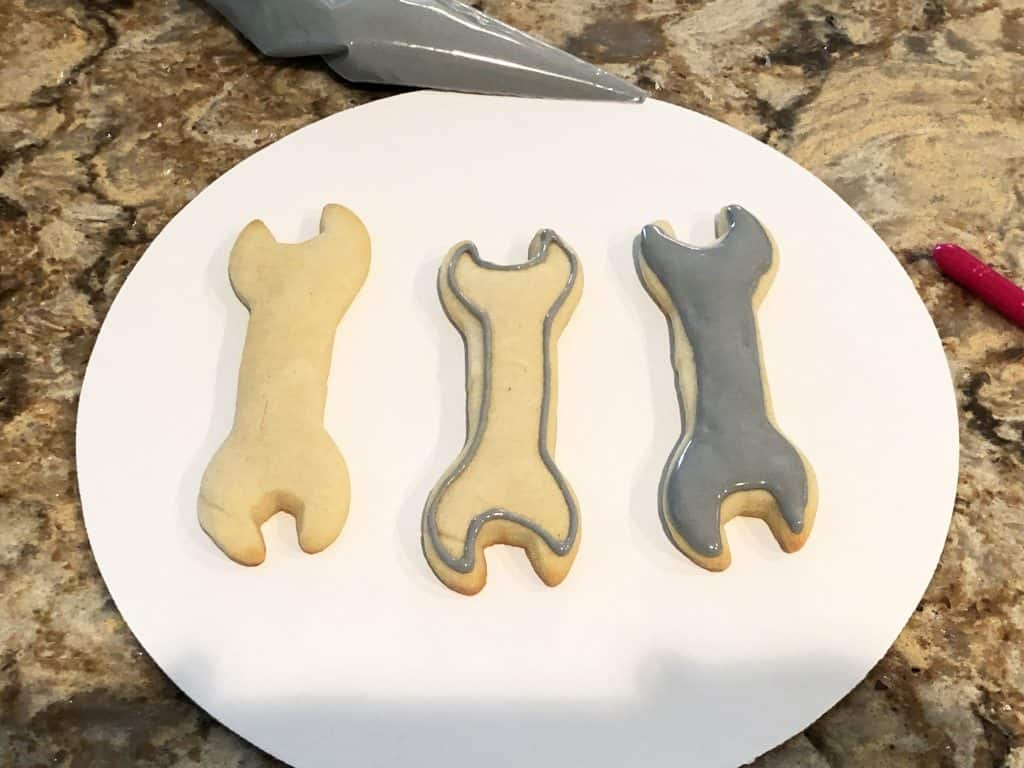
(732, 459)
(504, 487)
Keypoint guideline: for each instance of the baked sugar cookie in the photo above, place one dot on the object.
(278, 456)
(731, 459)
(504, 488)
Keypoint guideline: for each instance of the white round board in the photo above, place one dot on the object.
(359, 656)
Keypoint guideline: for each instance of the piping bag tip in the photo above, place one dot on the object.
(612, 88)
(442, 44)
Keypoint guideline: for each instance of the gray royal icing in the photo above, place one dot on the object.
(431, 43)
(730, 443)
(465, 562)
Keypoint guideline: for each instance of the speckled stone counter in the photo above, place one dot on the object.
(115, 113)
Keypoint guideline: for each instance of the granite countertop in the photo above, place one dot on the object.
(115, 113)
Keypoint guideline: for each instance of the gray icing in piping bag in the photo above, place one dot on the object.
(441, 44)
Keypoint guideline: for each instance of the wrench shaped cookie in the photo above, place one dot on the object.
(278, 456)
(731, 458)
(504, 488)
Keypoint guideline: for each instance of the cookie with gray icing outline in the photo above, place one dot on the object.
(732, 459)
(504, 487)
(278, 456)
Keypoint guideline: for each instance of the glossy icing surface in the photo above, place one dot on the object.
(730, 444)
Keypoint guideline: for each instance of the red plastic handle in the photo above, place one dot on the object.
(981, 280)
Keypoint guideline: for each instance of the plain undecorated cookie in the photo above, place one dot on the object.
(278, 456)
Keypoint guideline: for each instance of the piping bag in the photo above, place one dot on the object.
(441, 44)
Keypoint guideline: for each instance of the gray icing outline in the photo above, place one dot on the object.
(538, 253)
(751, 453)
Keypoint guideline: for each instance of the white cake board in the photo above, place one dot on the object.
(358, 656)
